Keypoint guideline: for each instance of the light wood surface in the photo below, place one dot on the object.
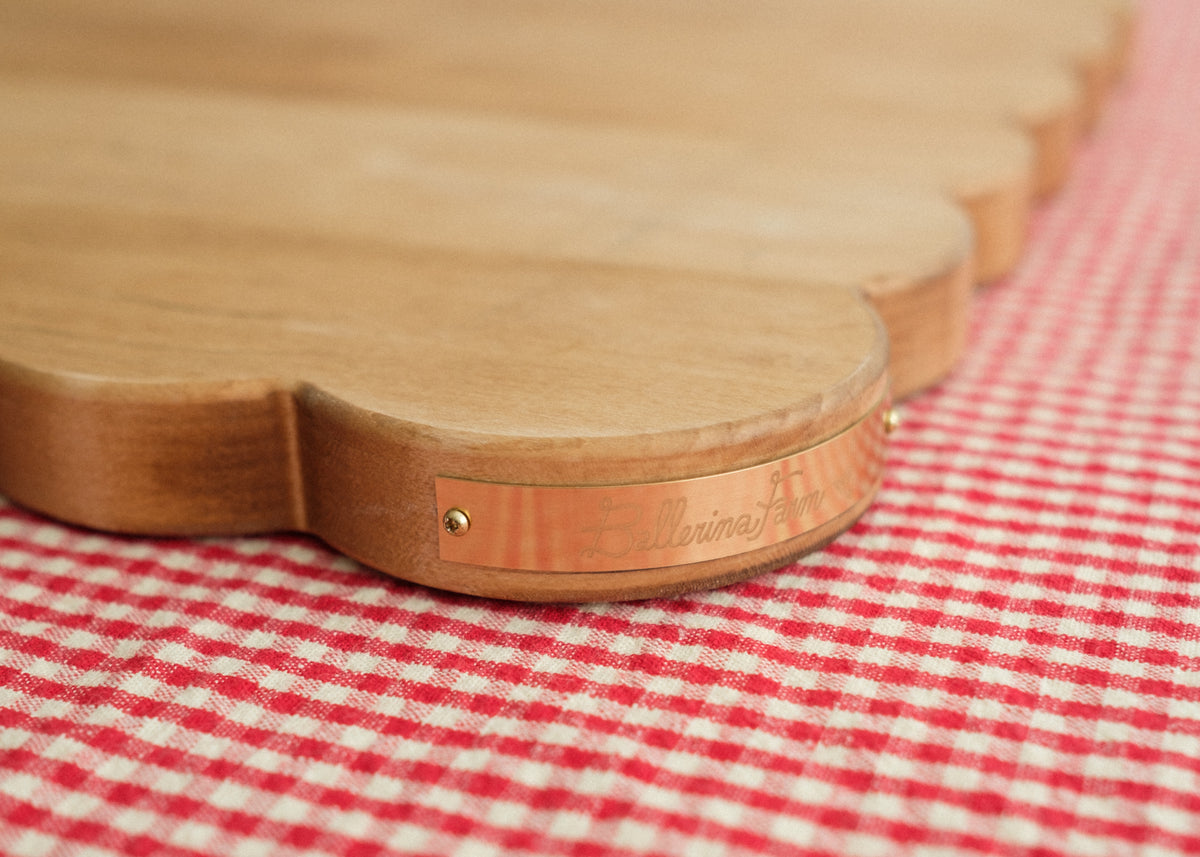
(285, 266)
(499, 184)
(936, 88)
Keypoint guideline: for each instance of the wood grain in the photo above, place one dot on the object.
(503, 185)
(284, 269)
(923, 91)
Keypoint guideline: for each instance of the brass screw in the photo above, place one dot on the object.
(891, 420)
(457, 522)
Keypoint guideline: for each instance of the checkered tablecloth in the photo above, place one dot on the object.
(1002, 657)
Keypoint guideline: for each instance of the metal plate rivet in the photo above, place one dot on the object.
(457, 522)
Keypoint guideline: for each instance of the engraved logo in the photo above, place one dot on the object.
(621, 531)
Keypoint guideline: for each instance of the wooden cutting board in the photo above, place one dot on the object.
(221, 314)
(260, 272)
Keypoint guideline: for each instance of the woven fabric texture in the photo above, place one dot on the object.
(1002, 657)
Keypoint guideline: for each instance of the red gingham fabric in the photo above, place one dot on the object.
(1002, 657)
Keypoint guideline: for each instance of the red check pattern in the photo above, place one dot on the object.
(1003, 657)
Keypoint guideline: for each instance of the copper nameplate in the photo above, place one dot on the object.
(627, 527)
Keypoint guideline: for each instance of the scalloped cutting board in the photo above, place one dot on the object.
(586, 339)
